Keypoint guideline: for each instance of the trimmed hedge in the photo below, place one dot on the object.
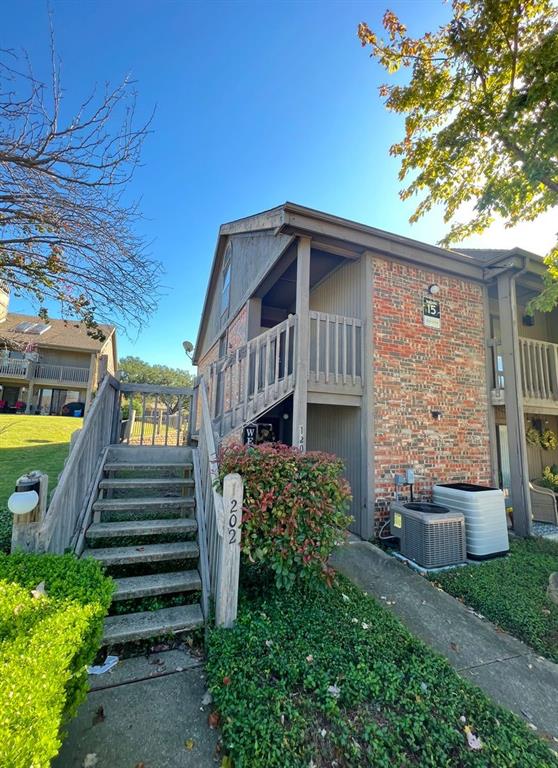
(46, 643)
(322, 677)
(294, 511)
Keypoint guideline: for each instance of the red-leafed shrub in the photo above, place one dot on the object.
(295, 508)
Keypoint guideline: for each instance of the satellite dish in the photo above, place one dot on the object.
(188, 347)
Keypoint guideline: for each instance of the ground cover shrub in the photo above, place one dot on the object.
(327, 676)
(511, 592)
(295, 508)
(46, 642)
(5, 529)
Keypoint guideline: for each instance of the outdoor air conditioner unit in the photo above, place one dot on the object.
(429, 534)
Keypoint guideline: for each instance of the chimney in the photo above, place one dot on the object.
(4, 300)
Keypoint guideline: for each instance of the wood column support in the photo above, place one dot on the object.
(300, 396)
(513, 399)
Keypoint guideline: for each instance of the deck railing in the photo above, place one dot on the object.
(163, 415)
(27, 369)
(539, 370)
(256, 375)
(69, 374)
(335, 348)
(68, 505)
(14, 368)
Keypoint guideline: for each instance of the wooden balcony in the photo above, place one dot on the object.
(62, 374)
(539, 375)
(335, 357)
(255, 377)
(43, 373)
(14, 369)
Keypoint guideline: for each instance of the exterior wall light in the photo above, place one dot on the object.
(434, 289)
(23, 502)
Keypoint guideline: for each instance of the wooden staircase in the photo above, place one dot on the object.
(145, 534)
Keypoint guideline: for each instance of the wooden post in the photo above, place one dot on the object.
(513, 399)
(226, 591)
(129, 424)
(25, 528)
(30, 394)
(300, 396)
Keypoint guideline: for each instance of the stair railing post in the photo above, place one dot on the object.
(226, 589)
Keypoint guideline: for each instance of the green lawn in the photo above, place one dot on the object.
(511, 592)
(26, 443)
(329, 677)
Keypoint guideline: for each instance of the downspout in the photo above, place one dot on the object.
(513, 392)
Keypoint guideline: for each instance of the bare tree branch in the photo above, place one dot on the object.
(68, 231)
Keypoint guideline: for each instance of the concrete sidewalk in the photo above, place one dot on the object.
(507, 670)
(146, 712)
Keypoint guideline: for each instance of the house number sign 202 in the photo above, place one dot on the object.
(233, 522)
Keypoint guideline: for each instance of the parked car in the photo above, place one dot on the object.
(73, 409)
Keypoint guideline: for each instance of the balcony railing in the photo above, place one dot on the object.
(335, 349)
(45, 372)
(258, 375)
(17, 369)
(539, 372)
(66, 374)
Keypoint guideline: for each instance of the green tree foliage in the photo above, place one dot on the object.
(481, 114)
(137, 371)
(133, 370)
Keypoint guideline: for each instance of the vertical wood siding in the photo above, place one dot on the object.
(251, 258)
(341, 292)
(336, 429)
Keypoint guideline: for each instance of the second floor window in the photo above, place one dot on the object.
(226, 289)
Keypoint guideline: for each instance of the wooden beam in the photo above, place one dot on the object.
(367, 435)
(300, 396)
(513, 398)
(489, 376)
(226, 590)
(334, 398)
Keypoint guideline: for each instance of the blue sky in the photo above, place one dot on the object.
(256, 103)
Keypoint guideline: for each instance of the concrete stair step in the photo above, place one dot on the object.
(156, 584)
(148, 553)
(141, 528)
(134, 504)
(127, 483)
(148, 467)
(141, 626)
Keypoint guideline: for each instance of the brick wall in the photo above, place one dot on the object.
(238, 330)
(419, 369)
(237, 336)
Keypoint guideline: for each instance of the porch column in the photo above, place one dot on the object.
(30, 394)
(300, 396)
(91, 383)
(513, 399)
(254, 317)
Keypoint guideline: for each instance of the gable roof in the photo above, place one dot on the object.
(62, 334)
(291, 218)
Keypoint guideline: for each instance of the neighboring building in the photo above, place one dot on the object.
(389, 352)
(44, 365)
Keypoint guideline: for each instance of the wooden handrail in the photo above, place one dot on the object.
(72, 493)
(539, 368)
